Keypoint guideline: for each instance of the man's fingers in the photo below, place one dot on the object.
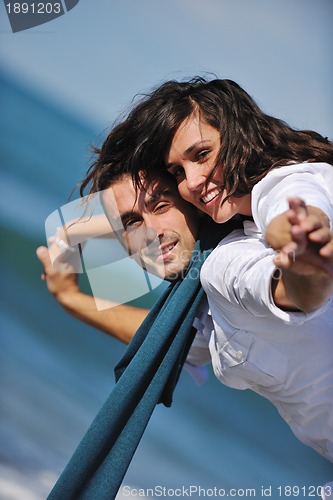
(41, 252)
(44, 257)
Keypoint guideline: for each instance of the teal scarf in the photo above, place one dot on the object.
(146, 375)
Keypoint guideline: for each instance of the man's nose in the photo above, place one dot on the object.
(154, 226)
(142, 239)
(151, 233)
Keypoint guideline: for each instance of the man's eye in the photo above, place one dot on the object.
(131, 224)
(162, 207)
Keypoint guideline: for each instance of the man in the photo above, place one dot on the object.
(159, 230)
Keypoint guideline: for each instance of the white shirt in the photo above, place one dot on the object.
(313, 182)
(286, 357)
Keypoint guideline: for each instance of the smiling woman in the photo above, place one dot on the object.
(192, 158)
(217, 142)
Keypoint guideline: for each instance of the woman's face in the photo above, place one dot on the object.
(191, 159)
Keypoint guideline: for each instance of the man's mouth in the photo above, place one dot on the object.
(165, 251)
(211, 195)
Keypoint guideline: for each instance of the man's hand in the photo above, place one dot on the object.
(63, 245)
(59, 283)
(118, 320)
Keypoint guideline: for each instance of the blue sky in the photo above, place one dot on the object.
(95, 58)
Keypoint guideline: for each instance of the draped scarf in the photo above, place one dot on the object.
(145, 376)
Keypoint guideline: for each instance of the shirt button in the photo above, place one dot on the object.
(239, 355)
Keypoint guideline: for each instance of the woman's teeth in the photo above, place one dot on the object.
(211, 195)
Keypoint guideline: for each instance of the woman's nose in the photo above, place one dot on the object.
(195, 180)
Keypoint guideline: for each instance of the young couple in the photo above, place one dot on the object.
(269, 285)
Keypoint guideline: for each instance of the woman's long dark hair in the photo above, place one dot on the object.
(252, 142)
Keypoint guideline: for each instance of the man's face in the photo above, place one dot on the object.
(157, 226)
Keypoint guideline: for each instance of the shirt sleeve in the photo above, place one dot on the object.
(237, 278)
(270, 195)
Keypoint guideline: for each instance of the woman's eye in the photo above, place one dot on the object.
(177, 171)
(202, 155)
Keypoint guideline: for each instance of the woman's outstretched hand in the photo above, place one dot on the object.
(302, 238)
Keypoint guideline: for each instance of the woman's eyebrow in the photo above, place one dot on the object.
(190, 149)
(195, 145)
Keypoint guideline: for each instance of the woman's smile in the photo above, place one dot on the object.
(192, 160)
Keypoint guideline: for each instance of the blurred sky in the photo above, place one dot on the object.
(96, 57)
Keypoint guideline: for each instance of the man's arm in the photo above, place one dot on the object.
(72, 233)
(120, 321)
(304, 244)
